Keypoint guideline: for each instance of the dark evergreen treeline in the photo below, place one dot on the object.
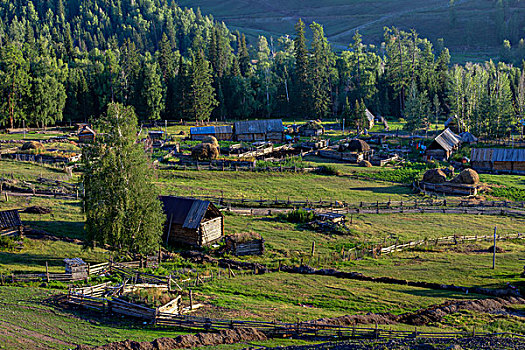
(62, 61)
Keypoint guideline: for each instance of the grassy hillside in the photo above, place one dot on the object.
(468, 27)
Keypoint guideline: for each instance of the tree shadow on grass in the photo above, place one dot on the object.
(394, 189)
(69, 229)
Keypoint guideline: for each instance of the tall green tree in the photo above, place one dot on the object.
(152, 91)
(121, 205)
(417, 109)
(321, 63)
(301, 83)
(201, 94)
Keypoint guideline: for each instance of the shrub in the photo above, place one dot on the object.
(510, 193)
(298, 216)
(328, 170)
(7, 244)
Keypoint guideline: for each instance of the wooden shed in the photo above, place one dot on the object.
(443, 145)
(221, 132)
(77, 268)
(371, 119)
(10, 223)
(86, 134)
(192, 221)
(245, 244)
(260, 130)
(505, 160)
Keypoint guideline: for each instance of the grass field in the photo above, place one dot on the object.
(469, 28)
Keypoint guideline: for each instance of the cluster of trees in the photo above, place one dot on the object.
(69, 61)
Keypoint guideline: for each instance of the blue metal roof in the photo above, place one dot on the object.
(202, 130)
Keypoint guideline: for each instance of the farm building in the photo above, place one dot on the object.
(245, 244)
(86, 134)
(312, 128)
(10, 223)
(155, 134)
(443, 145)
(192, 221)
(507, 160)
(222, 132)
(371, 119)
(77, 268)
(259, 130)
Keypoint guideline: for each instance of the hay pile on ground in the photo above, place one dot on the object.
(435, 176)
(32, 145)
(205, 151)
(365, 164)
(358, 146)
(210, 139)
(312, 125)
(468, 177)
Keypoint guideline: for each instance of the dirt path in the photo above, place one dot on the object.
(27, 339)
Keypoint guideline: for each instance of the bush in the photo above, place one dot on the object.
(298, 216)
(7, 244)
(510, 193)
(328, 170)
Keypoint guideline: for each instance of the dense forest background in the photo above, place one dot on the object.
(66, 61)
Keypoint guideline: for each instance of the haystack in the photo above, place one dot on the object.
(357, 145)
(205, 151)
(210, 139)
(435, 176)
(32, 145)
(365, 164)
(468, 177)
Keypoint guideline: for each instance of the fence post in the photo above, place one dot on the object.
(47, 272)
(191, 299)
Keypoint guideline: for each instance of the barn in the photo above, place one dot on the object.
(192, 221)
(86, 134)
(259, 130)
(504, 160)
(221, 132)
(10, 223)
(443, 145)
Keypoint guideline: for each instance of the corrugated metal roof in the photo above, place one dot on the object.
(370, 116)
(223, 129)
(74, 262)
(187, 212)
(497, 155)
(202, 130)
(258, 126)
(448, 140)
(86, 130)
(9, 218)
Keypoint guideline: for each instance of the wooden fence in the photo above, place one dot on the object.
(271, 329)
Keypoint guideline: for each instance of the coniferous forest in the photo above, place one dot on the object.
(65, 61)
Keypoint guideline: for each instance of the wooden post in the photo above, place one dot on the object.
(47, 272)
(160, 255)
(191, 299)
(494, 249)
(313, 249)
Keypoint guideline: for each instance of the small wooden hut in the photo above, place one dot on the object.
(443, 145)
(371, 119)
(77, 268)
(10, 223)
(86, 134)
(245, 244)
(260, 130)
(192, 221)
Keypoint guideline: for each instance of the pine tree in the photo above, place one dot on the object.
(201, 94)
(121, 202)
(321, 62)
(301, 83)
(417, 109)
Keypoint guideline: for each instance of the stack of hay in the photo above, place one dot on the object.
(32, 145)
(208, 149)
(467, 177)
(435, 176)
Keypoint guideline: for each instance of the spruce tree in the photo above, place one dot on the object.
(302, 83)
(201, 93)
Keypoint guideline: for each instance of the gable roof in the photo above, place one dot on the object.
(497, 155)
(9, 218)
(259, 126)
(370, 116)
(447, 140)
(211, 130)
(86, 130)
(188, 212)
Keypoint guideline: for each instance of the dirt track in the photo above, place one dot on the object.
(187, 341)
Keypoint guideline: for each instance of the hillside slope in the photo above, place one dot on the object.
(468, 26)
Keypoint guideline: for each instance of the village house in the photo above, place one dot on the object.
(443, 146)
(86, 134)
(192, 221)
(221, 132)
(504, 160)
(260, 130)
(10, 223)
(371, 119)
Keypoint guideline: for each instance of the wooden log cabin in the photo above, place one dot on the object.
(245, 244)
(86, 134)
(10, 223)
(260, 130)
(192, 221)
(443, 146)
(501, 160)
